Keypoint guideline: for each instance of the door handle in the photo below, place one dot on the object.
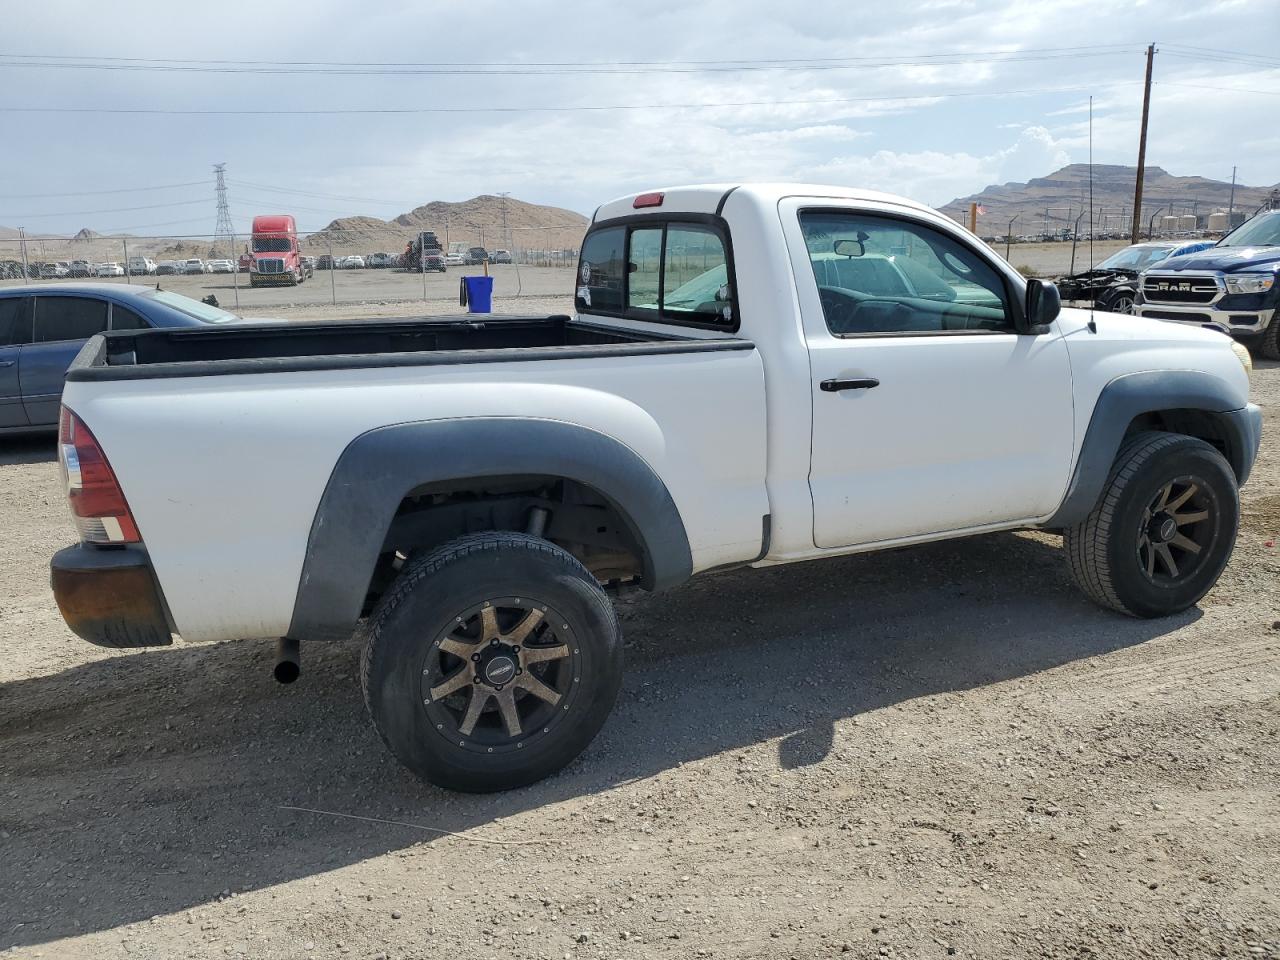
(862, 383)
(7, 363)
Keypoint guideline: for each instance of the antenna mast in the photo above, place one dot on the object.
(1091, 183)
(224, 232)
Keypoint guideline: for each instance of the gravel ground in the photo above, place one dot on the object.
(941, 751)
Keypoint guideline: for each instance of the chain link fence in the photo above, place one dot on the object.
(332, 267)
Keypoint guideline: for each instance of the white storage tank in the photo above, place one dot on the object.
(1187, 221)
(1168, 224)
(1218, 222)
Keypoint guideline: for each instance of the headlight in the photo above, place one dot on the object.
(1243, 355)
(1250, 282)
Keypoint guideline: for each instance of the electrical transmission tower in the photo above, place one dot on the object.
(224, 232)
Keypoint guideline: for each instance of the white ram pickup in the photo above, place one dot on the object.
(755, 375)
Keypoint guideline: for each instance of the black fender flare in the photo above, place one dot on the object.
(1134, 394)
(379, 468)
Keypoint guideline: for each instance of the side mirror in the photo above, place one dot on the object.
(1041, 308)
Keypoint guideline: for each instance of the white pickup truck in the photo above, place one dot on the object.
(755, 375)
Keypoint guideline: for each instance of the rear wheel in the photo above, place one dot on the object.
(1163, 529)
(492, 662)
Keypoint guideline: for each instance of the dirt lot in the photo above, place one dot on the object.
(941, 751)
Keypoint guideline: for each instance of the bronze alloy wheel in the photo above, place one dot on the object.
(502, 676)
(1177, 529)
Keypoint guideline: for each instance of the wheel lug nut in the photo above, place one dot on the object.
(475, 657)
(475, 679)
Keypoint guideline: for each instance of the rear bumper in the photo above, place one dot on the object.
(110, 597)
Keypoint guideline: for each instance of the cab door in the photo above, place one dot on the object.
(15, 330)
(930, 413)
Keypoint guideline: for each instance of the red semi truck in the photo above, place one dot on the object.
(276, 255)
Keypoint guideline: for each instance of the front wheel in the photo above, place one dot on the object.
(1163, 529)
(1117, 301)
(1269, 342)
(491, 662)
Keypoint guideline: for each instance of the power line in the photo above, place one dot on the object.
(86, 213)
(339, 111)
(309, 193)
(1205, 86)
(546, 68)
(95, 193)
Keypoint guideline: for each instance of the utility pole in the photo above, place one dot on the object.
(1142, 150)
(1231, 204)
(26, 272)
(506, 234)
(224, 232)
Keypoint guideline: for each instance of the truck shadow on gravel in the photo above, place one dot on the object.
(146, 784)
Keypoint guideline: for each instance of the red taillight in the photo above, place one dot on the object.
(647, 200)
(97, 503)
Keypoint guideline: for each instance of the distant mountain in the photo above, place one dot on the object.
(1065, 195)
(475, 221)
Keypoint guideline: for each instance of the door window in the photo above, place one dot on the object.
(15, 322)
(69, 318)
(122, 318)
(880, 275)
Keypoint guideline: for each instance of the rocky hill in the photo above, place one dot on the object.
(476, 221)
(1064, 194)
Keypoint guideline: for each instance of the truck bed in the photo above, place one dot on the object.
(275, 348)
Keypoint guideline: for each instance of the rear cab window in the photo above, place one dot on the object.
(675, 271)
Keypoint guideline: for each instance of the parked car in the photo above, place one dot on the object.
(476, 256)
(500, 256)
(355, 262)
(480, 515)
(381, 261)
(42, 328)
(194, 265)
(433, 260)
(220, 266)
(309, 265)
(1112, 284)
(454, 260)
(324, 262)
(168, 268)
(141, 266)
(53, 271)
(108, 270)
(1235, 285)
(81, 268)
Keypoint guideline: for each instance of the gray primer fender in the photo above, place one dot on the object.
(379, 468)
(1137, 393)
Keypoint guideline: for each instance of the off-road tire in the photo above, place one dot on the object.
(1269, 341)
(423, 603)
(1103, 550)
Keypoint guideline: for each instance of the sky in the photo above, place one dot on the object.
(932, 99)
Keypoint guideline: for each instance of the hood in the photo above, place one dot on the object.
(1226, 259)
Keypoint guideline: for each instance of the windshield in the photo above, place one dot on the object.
(192, 308)
(1135, 258)
(1263, 231)
(272, 245)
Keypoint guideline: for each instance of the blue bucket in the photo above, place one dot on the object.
(476, 294)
